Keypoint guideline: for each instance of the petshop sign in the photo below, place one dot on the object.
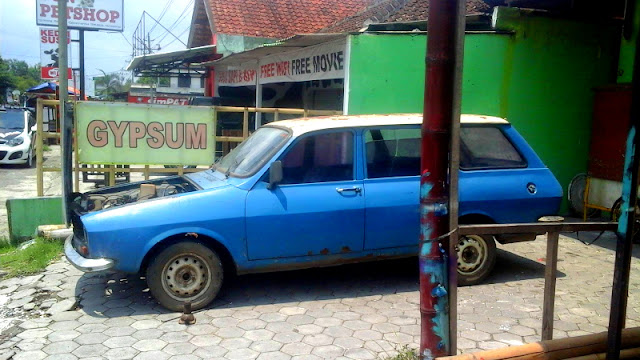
(49, 49)
(83, 14)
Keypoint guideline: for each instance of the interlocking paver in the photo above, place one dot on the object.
(289, 317)
(297, 348)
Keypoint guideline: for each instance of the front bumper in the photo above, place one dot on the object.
(7, 151)
(81, 262)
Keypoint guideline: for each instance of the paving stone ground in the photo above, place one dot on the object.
(364, 311)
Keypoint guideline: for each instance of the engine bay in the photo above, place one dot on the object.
(130, 193)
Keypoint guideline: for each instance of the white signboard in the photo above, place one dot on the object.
(49, 49)
(324, 61)
(83, 14)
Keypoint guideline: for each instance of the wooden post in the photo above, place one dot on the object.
(146, 172)
(550, 269)
(245, 123)
(76, 164)
(276, 115)
(112, 175)
(39, 146)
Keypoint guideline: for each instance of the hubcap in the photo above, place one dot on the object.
(186, 276)
(472, 253)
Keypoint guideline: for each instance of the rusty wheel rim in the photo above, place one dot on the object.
(186, 277)
(472, 254)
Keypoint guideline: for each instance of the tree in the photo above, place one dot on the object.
(149, 80)
(111, 83)
(17, 74)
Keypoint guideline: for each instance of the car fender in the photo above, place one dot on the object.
(182, 230)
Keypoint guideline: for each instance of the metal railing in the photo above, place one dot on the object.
(147, 169)
(553, 230)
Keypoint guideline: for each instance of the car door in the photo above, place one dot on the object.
(392, 185)
(318, 209)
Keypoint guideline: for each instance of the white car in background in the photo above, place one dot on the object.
(17, 132)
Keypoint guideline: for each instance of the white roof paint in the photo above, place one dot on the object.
(305, 125)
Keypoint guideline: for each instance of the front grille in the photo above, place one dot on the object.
(2, 154)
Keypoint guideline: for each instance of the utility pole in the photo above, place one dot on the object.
(65, 123)
(83, 88)
(438, 181)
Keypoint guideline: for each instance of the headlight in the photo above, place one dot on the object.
(16, 141)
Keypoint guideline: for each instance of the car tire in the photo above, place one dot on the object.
(476, 258)
(185, 272)
(29, 164)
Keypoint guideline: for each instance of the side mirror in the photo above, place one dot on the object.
(275, 174)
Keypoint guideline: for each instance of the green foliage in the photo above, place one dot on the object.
(148, 80)
(112, 83)
(31, 260)
(17, 74)
(404, 353)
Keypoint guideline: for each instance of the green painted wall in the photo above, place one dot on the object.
(628, 49)
(540, 78)
(25, 215)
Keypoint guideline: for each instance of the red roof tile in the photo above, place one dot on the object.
(279, 18)
(394, 11)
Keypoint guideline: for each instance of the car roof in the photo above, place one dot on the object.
(305, 125)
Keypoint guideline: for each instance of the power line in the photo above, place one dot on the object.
(177, 38)
(178, 20)
(162, 13)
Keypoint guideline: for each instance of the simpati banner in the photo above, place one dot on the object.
(49, 48)
(324, 61)
(83, 14)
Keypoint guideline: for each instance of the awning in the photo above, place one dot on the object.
(173, 62)
(296, 59)
(293, 43)
(50, 88)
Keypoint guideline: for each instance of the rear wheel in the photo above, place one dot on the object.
(476, 258)
(185, 272)
(616, 211)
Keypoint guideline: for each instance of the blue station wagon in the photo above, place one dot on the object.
(306, 193)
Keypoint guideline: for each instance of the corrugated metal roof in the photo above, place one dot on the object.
(197, 54)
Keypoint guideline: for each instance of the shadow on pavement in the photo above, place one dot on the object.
(607, 240)
(116, 294)
(513, 267)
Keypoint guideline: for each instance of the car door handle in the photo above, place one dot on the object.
(355, 189)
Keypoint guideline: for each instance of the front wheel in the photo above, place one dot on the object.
(185, 272)
(476, 258)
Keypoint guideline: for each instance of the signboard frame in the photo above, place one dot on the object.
(144, 134)
(75, 12)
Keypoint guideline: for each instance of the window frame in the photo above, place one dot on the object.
(506, 137)
(354, 176)
(364, 148)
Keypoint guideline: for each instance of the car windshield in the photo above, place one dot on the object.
(11, 120)
(252, 153)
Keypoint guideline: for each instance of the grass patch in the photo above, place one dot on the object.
(31, 260)
(404, 353)
(46, 147)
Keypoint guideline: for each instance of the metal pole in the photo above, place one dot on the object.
(82, 74)
(620, 290)
(441, 115)
(65, 128)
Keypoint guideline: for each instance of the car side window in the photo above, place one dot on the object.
(486, 147)
(319, 158)
(392, 152)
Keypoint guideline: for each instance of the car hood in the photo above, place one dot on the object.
(8, 134)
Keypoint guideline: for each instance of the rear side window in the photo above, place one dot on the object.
(392, 152)
(486, 147)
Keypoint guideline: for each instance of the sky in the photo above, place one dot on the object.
(107, 51)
